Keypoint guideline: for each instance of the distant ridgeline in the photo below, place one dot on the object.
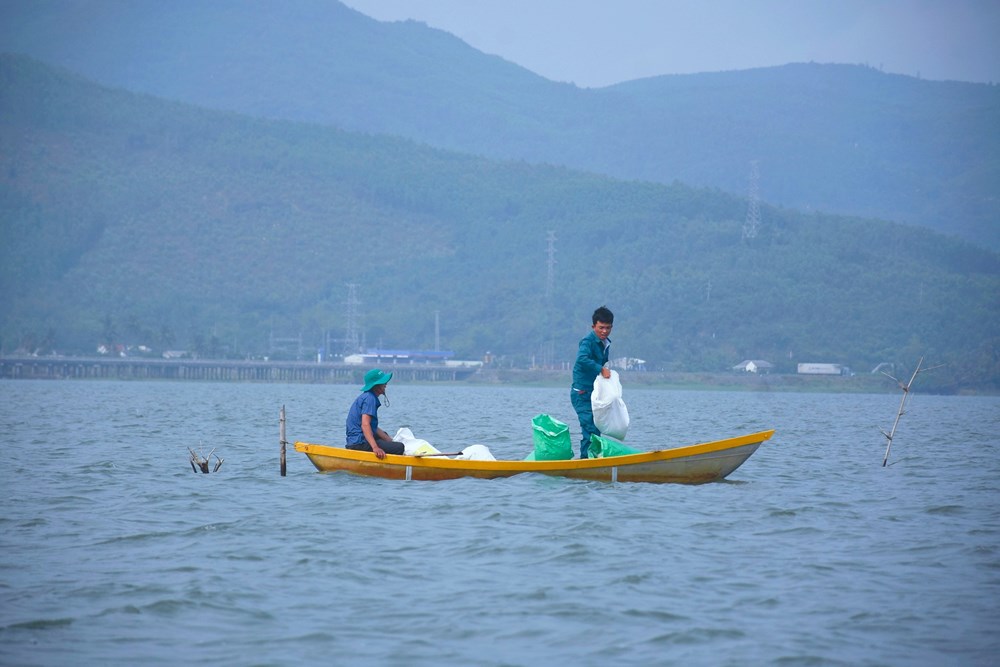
(845, 139)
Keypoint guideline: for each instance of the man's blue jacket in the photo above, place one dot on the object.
(590, 358)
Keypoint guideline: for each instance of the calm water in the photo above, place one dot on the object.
(812, 553)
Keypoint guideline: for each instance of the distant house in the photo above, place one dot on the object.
(754, 366)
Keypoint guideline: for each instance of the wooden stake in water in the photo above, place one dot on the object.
(281, 435)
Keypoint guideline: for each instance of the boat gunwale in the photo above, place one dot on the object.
(393, 460)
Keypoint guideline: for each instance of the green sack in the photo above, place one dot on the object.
(551, 439)
(601, 447)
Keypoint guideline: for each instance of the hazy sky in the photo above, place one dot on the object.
(598, 42)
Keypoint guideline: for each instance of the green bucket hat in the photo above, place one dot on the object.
(375, 377)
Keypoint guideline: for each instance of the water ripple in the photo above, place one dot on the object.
(811, 554)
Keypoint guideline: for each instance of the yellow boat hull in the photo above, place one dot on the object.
(692, 464)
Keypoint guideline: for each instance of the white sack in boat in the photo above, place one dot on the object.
(610, 413)
(476, 453)
(413, 445)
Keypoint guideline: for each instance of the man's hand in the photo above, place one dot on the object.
(605, 373)
(379, 452)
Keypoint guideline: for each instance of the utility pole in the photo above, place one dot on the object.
(752, 223)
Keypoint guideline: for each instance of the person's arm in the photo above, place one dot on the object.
(366, 428)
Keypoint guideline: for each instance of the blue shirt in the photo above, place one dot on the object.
(590, 359)
(365, 404)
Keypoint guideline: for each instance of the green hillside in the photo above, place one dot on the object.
(846, 139)
(129, 219)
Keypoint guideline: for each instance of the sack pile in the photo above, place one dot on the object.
(414, 446)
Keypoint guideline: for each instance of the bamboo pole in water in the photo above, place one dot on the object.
(281, 435)
(902, 404)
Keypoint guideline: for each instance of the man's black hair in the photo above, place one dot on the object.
(602, 314)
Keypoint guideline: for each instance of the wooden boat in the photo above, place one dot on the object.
(692, 464)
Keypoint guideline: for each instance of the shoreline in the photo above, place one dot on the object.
(301, 372)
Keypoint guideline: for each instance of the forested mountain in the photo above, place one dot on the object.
(126, 218)
(837, 138)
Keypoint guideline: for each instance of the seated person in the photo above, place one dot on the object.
(363, 432)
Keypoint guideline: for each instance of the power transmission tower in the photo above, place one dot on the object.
(351, 344)
(548, 347)
(550, 278)
(752, 223)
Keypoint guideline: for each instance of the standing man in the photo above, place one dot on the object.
(363, 432)
(590, 361)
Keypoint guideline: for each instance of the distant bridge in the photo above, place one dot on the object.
(218, 370)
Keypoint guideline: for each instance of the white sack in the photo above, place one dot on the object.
(476, 453)
(413, 445)
(610, 413)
